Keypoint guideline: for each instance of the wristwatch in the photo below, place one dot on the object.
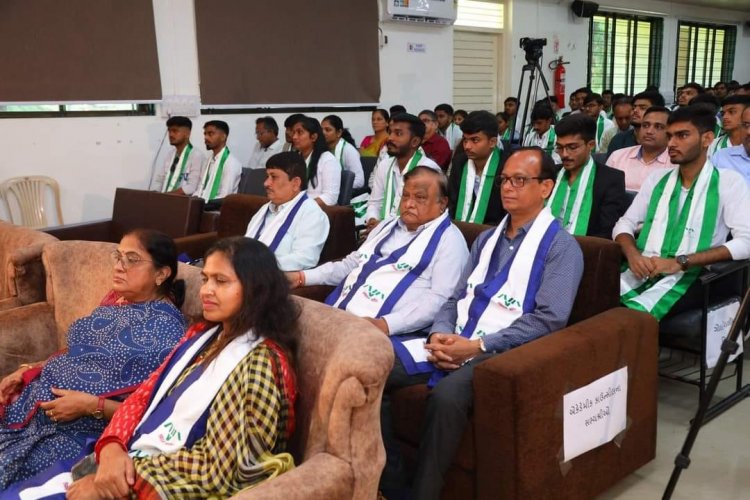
(683, 261)
(99, 412)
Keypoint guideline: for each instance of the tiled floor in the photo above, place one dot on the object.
(720, 467)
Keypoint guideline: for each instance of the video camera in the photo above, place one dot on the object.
(533, 48)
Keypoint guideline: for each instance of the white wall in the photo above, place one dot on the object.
(90, 157)
(567, 36)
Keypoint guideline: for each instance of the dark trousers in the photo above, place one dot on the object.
(448, 408)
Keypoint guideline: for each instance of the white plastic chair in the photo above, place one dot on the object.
(24, 199)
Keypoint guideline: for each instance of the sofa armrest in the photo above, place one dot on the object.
(26, 274)
(322, 476)
(27, 334)
(10, 303)
(317, 293)
(100, 230)
(195, 245)
(720, 270)
(519, 408)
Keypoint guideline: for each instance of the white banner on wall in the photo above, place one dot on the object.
(595, 414)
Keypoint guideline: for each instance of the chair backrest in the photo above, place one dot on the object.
(19, 243)
(347, 185)
(79, 274)
(236, 213)
(25, 200)
(172, 214)
(368, 165)
(252, 181)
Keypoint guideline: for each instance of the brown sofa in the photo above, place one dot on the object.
(512, 445)
(511, 448)
(21, 272)
(341, 364)
(172, 214)
(238, 209)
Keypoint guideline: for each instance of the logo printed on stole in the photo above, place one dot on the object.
(171, 433)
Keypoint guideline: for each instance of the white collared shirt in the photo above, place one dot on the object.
(230, 176)
(452, 134)
(328, 179)
(260, 155)
(422, 300)
(190, 177)
(300, 247)
(379, 182)
(349, 159)
(734, 205)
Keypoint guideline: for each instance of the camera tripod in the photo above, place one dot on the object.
(728, 347)
(533, 68)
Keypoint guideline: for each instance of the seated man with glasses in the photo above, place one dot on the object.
(589, 198)
(504, 299)
(435, 146)
(267, 144)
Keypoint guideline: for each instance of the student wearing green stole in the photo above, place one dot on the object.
(446, 127)
(593, 105)
(182, 168)
(473, 194)
(731, 121)
(221, 173)
(686, 216)
(543, 133)
(588, 197)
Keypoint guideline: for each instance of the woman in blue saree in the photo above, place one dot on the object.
(52, 412)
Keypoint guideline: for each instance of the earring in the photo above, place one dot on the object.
(158, 283)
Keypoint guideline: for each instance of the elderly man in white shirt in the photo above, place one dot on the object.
(221, 174)
(404, 154)
(292, 224)
(267, 144)
(182, 168)
(408, 266)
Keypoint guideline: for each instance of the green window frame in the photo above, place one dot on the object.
(624, 52)
(705, 53)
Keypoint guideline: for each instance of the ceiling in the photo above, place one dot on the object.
(740, 5)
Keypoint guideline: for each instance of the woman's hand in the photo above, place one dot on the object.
(11, 385)
(116, 474)
(69, 405)
(83, 489)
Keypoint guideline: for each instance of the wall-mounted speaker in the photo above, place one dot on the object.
(584, 9)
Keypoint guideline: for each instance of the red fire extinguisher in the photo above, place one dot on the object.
(559, 77)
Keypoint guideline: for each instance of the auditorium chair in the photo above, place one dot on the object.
(21, 271)
(172, 214)
(512, 447)
(341, 364)
(238, 209)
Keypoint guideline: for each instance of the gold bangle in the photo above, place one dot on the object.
(25, 366)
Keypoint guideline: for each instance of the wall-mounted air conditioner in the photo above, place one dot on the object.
(420, 11)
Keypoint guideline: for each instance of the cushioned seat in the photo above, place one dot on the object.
(682, 331)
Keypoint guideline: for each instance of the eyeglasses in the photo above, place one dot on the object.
(518, 181)
(127, 260)
(572, 148)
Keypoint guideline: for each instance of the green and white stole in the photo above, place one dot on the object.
(469, 208)
(721, 142)
(576, 200)
(391, 199)
(338, 152)
(173, 181)
(217, 176)
(506, 135)
(551, 139)
(669, 231)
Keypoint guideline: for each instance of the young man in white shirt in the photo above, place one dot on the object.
(593, 105)
(267, 144)
(404, 154)
(446, 127)
(182, 168)
(542, 134)
(291, 224)
(221, 172)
